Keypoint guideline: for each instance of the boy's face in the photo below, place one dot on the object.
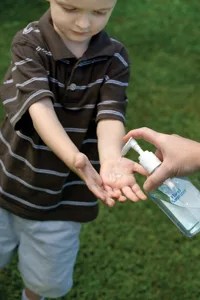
(79, 20)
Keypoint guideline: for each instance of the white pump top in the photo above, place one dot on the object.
(147, 159)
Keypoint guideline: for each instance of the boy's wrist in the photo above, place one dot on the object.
(70, 159)
(110, 158)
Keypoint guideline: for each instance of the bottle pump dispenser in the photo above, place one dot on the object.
(177, 197)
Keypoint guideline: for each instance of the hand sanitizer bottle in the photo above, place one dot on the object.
(178, 198)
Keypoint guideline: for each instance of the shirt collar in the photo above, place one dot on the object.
(100, 44)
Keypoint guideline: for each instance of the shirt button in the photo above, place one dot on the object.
(72, 86)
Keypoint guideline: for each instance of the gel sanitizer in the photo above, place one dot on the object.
(177, 197)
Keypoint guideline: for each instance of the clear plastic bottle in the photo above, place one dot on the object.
(177, 197)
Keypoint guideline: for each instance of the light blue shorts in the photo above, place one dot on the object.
(46, 250)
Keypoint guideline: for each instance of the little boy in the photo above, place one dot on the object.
(64, 97)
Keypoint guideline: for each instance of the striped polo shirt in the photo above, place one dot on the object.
(34, 183)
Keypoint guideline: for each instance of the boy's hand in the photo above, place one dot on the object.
(119, 180)
(84, 169)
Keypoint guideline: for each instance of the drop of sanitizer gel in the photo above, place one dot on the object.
(177, 197)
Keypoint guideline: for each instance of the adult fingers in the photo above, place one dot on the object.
(145, 133)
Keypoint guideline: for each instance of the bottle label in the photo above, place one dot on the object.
(174, 193)
(174, 197)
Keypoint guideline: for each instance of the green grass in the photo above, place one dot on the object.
(133, 251)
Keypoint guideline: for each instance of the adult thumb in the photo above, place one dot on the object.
(155, 179)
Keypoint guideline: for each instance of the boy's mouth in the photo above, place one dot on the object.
(80, 32)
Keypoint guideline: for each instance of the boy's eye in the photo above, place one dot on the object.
(100, 13)
(71, 9)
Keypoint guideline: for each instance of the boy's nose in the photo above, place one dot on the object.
(83, 21)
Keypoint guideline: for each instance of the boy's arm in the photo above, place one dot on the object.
(110, 139)
(50, 130)
(117, 172)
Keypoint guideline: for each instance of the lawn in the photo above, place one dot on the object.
(133, 251)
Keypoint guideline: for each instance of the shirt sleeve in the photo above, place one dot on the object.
(26, 82)
(113, 98)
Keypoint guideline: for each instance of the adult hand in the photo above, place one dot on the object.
(180, 156)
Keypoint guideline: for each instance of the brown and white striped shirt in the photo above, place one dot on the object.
(34, 183)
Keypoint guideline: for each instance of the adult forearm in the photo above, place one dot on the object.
(194, 154)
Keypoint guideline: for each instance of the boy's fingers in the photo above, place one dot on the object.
(98, 191)
(122, 198)
(137, 190)
(130, 194)
(137, 168)
(109, 202)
